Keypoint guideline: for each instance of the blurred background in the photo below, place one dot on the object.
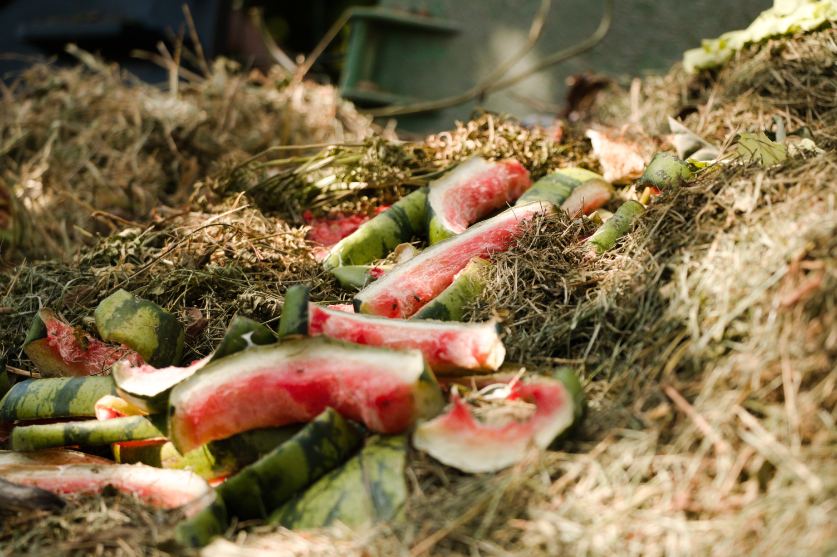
(384, 52)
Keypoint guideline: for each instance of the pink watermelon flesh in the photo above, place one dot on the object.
(408, 286)
(67, 350)
(164, 488)
(446, 346)
(587, 197)
(294, 382)
(347, 308)
(458, 439)
(475, 189)
(109, 407)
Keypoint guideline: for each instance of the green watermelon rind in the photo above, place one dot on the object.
(377, 237)
(464, 290)
(88, 433)
(294, 319)
(142, 326)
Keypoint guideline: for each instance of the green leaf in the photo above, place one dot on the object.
(758, 148)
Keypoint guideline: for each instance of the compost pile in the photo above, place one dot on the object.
(246, 290)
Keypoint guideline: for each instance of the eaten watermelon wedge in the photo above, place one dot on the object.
(557, 186)
(59, 349)
(447, 346)
(458, 439)
(54, 398)
(470, 192)
(410, 285)
(588, 197)
(168, 489)
(86, 433)
(294, 381)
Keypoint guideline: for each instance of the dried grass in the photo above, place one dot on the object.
(706, 340)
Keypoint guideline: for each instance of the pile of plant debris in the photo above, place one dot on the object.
(704, 339)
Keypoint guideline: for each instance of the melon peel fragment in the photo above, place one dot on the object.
(457, 439)
(141, 325)
(59, 349)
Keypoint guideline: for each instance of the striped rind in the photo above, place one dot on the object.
(55, 397)
(375, 238)
(369, 488)
(408, 286)
(141, 325)
(88, 433)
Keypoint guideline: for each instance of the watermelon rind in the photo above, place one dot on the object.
(54, 397)
(375, 238)
(466, 287)
(557, 186)
(236, 381)
(666, 172)
(294, 319)
(87, 433)
(141, 325)
(406, 287)
(368, 489)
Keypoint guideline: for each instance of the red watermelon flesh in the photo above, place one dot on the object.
(293, 382)
(408, 286)
(446, 346)
(162, 488)
(66, 350)
(458, 439)
(475, 189)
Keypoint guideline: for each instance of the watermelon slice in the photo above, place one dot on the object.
(56, 397)
(588, 197)
(369, 488)
(51, 457)
(458, 439)
(142, 325)
(466, 287)
(410, 285)
(294, 381)
(470, 192)
(167, 489)
(355, 277)
(374, 239)
(556, 187)
(446, 346)
(213, 461)
(59, 349)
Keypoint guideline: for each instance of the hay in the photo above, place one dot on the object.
(705, 339)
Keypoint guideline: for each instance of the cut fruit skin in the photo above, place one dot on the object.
(466, 287)
(471, 191)
(143, 326)
(375, 238)
(446, 346)
(556, 187)
(457, 439)
(616, 226)
(409, 286)
(294, 381)
(59, 349)
(55, 397)
(88, 433)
